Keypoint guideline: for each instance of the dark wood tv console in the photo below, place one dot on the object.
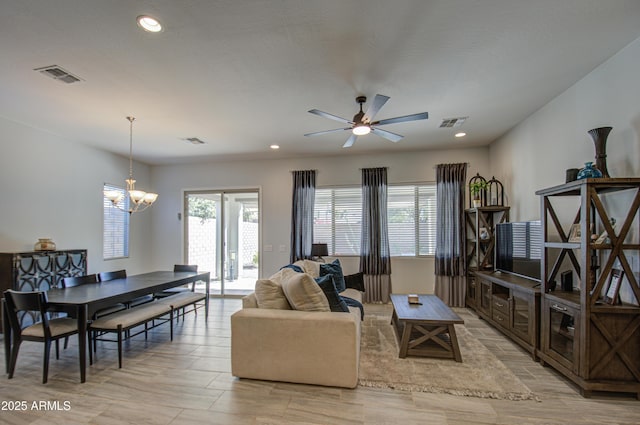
(512, 305)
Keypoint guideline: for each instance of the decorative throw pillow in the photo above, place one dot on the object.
(336, 303)
(309, 266)
(282, 274)
(335, 270)
(303, 293)
(355, 281)
(269, 295)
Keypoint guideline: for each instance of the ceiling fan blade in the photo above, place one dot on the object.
(374, 108)
(387, 134)
(330, 116)
(405, 118)
(317, 133)
(350, 141)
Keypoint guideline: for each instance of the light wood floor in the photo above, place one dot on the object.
(187, 381)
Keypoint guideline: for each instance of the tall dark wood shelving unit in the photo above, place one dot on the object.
(595, 344)
(480, 250)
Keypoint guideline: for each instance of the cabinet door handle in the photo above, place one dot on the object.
(500, 305)
(558, 308)
(499, 319)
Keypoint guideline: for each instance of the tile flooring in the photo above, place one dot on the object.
(188, 381)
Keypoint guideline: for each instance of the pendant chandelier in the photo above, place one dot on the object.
(138, 200)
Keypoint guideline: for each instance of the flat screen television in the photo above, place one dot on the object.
(519, 248)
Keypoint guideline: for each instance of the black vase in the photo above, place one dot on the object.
(599, 136)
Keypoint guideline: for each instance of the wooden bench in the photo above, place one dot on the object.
(125, 320)
(425, 329)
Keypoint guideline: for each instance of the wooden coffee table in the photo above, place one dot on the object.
(425, 329)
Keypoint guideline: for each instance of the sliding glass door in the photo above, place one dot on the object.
(222, 235)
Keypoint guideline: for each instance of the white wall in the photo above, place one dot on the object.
(273, 178)
(536, 153)
(53, 188)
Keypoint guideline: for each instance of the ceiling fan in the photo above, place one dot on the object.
(363, 123)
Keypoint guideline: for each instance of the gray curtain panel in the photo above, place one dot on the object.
(375, 257)
(304, 193)
(450, 237)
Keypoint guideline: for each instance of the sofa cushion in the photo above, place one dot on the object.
(336, 303)
(334, 269)
(309, 266)
(269, 294)
(282, 274)
(352, 293)
(303, 293)
(355, 281)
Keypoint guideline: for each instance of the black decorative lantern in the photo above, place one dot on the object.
(477, 191)
(495, 191)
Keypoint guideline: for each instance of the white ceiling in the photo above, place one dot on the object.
(241, 75)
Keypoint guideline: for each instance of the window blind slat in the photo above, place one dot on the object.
(115, 239)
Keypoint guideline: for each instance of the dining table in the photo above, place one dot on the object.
(85, 300)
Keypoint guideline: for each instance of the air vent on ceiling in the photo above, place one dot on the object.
(58, 73)
(194, 141)
(452, 122)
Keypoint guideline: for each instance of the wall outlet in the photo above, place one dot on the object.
(268, 248)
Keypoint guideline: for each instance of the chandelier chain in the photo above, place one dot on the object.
(131, 120)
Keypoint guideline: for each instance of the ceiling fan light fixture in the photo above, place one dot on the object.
(361, 130)
(149, 24)
(461, 134)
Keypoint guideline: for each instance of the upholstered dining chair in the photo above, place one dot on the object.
(45, 331)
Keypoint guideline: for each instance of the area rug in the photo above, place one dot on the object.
(481, 374)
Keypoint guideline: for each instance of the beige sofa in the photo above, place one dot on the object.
(309, 347)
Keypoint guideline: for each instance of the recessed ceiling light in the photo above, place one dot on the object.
(461, 134)
(149, 24)
(274, 147)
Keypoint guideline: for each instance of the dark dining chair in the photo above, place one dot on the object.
(45, 331)
(121, 274)
(117, 274)
(182, 296)
(173, 291)
(70, 282)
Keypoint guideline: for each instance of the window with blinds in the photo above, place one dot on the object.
(411, 215)
(337, 218)
(115, 229)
